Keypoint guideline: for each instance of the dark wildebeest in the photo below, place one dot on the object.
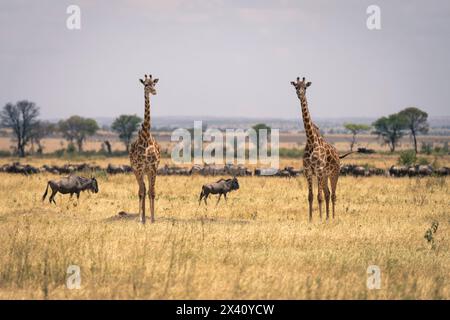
(221, 187)
(70, 184)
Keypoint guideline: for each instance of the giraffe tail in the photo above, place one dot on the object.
(360, 150)
(346, 154)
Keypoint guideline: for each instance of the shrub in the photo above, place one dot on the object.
(290, 153)
(423, 161)
(407, 158)
(71, 148)
(426, 148)
(5, 153)
(445, 148)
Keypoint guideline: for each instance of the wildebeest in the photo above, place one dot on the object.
(398, 171)
(360, 171)
(442, 172)
(221, 187)
(71, 184)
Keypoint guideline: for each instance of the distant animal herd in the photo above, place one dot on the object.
(223, 170)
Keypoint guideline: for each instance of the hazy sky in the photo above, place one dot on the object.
(226, 58)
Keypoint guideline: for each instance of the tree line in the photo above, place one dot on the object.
(390, 129)
(22, 118)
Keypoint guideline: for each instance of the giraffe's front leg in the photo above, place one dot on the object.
(140, 180)
(334, 180)
(320, 179)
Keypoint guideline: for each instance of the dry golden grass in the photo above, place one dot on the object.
(258, 245)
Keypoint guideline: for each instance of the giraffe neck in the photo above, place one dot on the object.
(145, 131)
(307, 122)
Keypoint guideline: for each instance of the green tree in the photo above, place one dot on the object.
(40, 130)
(20, 118)
(416, 121)
(257, 127)
(77, 129)
(391, 129)
(126, 126)
(355, 129)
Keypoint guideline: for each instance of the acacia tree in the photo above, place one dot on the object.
(77, 129)
(20, 118)
(126, 126)
(355, 129)
(261, 126)
(40, 130)
(391, 129)
(416, 121)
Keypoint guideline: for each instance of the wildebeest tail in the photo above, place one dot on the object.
(202, 193)
(46, 191)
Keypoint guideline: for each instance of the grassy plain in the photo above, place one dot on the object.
(258, 245)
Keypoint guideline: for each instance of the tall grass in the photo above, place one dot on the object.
(258, 245)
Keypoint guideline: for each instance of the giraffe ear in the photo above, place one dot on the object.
(308, 84)
(156, 80)
(142, 81)
(293, 83)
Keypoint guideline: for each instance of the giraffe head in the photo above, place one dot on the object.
(149, 84)
(300, 86)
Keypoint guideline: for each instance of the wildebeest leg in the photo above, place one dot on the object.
(206, 197)
(151, 195)
(201, 196)
(52, 196)
(78, 195)
(225, 197)
(220, 195)
(140, 181)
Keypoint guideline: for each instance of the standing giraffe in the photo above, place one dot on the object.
(145, 154)
(320, 158)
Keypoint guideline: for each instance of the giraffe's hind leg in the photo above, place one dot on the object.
(326, 191)
(309, 178)
(140, 181)
(152, 194)
(334, 180)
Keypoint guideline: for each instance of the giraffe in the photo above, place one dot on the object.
(320, 158)
(145, 154)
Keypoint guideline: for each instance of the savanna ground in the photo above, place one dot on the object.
(259, 245)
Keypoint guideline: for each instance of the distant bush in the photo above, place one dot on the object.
(5, 153)
(407, 158)
(426, 148)
(71, 148)
(290, 153)
(422, 161)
